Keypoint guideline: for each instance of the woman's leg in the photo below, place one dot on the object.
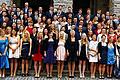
(94, 70)
(0, 73)
(69, 68)
(23, 66)
(103, 70)
(80, 68)
(15, 69)
(91, 69)
(39, 69)
(11, 67)
(73, 68)
(58, 68)
(111, 69)
(83, 70)
(35, 68)
(26, 67)
(3, 73)
(108, 71)
(62, 67)
(51, 69)
(100, 70)
(47, 68)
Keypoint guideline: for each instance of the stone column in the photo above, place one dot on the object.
(114, 7)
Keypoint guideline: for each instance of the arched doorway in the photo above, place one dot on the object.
(84, 4)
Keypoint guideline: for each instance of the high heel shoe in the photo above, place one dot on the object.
(50, 76)
(23, 74)
(3, 75)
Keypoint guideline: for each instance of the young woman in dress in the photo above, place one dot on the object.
(102, 54)
(14, 43)
(111, 53)
(3, 53)
(93, 56)
(61, 54)
(37, 56)
(83, 45)
(72, 50)
(117, 57)
(49, 54)
(25, 48)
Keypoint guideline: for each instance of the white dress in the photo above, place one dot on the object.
(61, 51)
(13, 42)
(93, 45)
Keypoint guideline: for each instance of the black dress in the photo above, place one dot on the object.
(25, 49)
(103, 53)
(83, 52)
(72, 48)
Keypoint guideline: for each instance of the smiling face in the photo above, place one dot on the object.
(39, 35)
(94, 37)
(13, 32)
(103, 38)
(50, 35)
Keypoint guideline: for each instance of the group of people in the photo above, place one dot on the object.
(55, 37)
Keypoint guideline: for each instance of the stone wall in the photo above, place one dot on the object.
(115, 7)
(8, 2)
(65, 4)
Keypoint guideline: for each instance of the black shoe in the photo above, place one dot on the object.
(100, 77)
(26, 74)
(23, 74)
(72, 76)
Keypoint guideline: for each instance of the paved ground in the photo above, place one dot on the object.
(54, 78)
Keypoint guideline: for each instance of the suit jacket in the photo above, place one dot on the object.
(48, 15)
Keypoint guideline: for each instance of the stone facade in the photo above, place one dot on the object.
(65, 4)
(115, 7)
(8, 2)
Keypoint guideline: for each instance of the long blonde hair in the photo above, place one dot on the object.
(84, 40)
(28, 36)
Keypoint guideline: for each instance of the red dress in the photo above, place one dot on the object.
(37, 56)
(29, 29)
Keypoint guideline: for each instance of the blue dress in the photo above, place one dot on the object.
(110, 56)
(4, 63)
(50, 58)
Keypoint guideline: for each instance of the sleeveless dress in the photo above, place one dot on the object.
(93, 58)
(83, 52)
(4, 63)
(72, 52)
(13, 42)
(61, 51)
(103, 54)
(50, 58)
(110, 56)
(25, 49)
